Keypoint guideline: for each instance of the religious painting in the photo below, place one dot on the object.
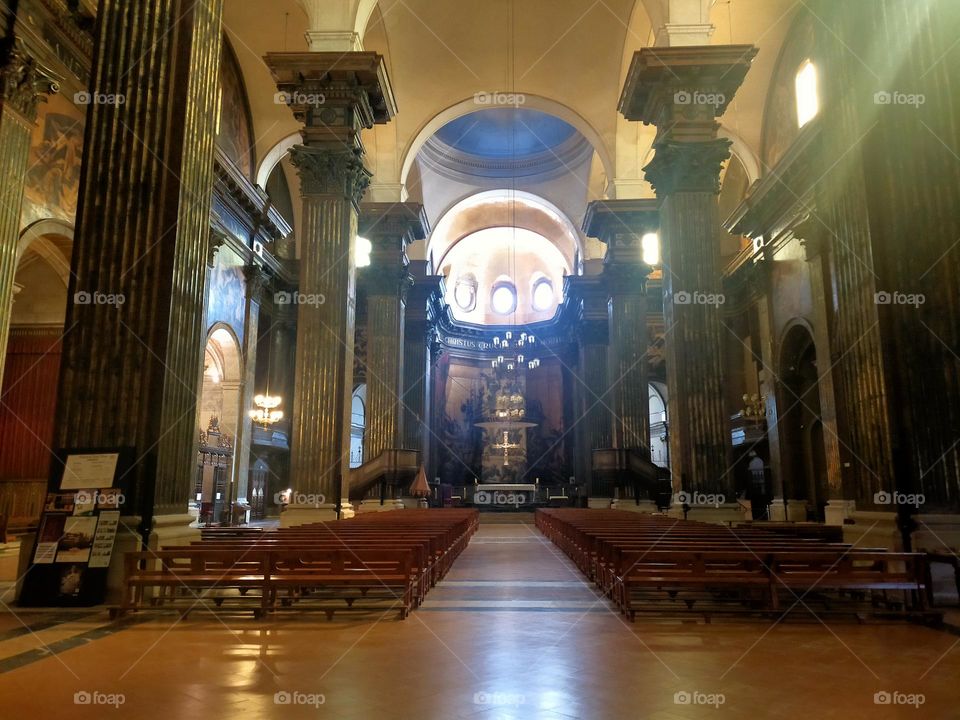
(53, 175)
(227, 292)
(236, 137)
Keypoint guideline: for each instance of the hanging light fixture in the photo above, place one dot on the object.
(265, 412)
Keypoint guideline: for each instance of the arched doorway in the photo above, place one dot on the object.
(801, 431)
(358, 424)
(218, 421)
(32, 328)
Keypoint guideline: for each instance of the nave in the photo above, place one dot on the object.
(514, 630)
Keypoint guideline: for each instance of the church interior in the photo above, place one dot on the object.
(480, 358)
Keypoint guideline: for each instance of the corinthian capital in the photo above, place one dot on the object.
(24, 82)
(687, 166)
(331, 172)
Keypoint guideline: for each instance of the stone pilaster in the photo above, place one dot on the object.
(682, 90)
(131, 360)
(335, 95)
(390, 227)
(593, 429)
(621, 225)
(24, 83)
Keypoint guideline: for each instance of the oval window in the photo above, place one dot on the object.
(542, 295)
(504, 299)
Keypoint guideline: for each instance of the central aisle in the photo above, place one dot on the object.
(513, 567)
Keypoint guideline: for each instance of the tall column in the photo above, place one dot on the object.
(594, 425)
(23, 85)
(417, 366)
(681, 90)
(335, 95)
(621, 225)
(256, 279)
(132, 357)
(390, 227)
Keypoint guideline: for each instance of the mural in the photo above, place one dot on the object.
(227, 292)
(236, 137)
(53, 176)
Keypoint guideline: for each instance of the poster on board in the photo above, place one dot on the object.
(89, 470)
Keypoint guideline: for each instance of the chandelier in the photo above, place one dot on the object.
(514, 353)
(265, 412)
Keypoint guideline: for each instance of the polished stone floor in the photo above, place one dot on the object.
(513, 632)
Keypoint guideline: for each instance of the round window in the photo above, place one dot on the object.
(465, 293)
(504, 299)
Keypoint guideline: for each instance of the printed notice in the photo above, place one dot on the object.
(96, 470)
(103, 540)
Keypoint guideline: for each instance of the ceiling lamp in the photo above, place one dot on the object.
(265, 412)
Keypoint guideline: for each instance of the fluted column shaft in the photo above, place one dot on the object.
(621, 225)
(133, 349)
(23, 84)
(389, 227)
(682, 90)
(335, 95)
(594, 424)
(417, 364)
(325, 327)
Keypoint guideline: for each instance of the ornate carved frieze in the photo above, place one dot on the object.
(24, 83)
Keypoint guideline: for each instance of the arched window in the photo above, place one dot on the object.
(503, 299)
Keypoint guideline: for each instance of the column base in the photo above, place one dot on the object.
(777, 510)
(367, 506)
(601, 503)
(796, 510)
(938, 532)
(873, 530)
(838, 510)
(720, 515)
(294, 515)
(128, 540)
(645, 506)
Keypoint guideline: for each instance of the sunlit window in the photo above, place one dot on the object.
(542, 295)
(808, 97)
(504, 298)
(650, 245)
(364, 248)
